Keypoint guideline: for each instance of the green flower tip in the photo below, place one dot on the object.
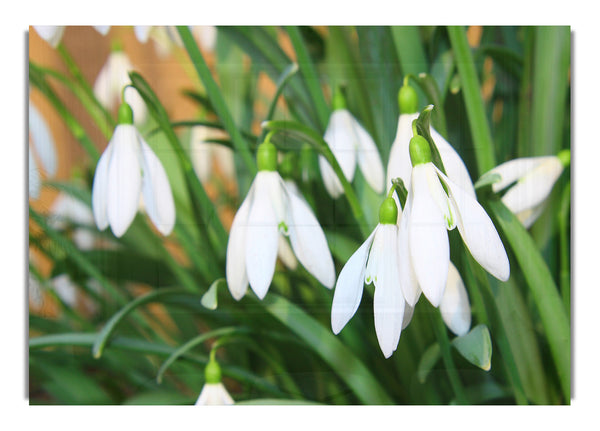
(266, 156)
(125, 115)
(388, 211)
(338, 101)
(116, 45)
(212, 372)
(288, 165)
(407, 100)
(419, 150)
(565, 157)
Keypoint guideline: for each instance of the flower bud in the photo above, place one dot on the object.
(212, 372)
(419, 150)
(338, 101)
(407, 100)
(388, 211)
(125, 114)
(266, 157)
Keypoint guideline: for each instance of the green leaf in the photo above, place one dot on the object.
(410, 52)
(476, 113)
(487, 179)
(428, 361)
(544, 292)
(110, 326)
(159, 398)
(320, 339)
(209, 299)
(275, 402)
(476, 347)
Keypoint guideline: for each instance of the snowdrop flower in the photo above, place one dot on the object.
(213, 393)
(455, 307)
(50, 33)
(429, 212)
(376, 261)
(399, 164)
(127, 168)
(533, 179)
(348, 141)
(66, 208)
(204, 154)
(42, 143)
(110, 82)
(269, 211)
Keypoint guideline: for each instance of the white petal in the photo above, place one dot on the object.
(214, 394)
(453, 163)
(399, 164)
(142, 32)
(512, 170)
(408, 315)
(369, 160)
(308, 240)
(455, 307)
(478, 232)
(349, 286)
(262, 235)
(42, 141)
(373, 261)
(124, 179)
(206, 36)
(235, 265)
(388, 301)
(50, 33)
(532, 189)
(201, 153)
(427, 238)
(100, 189)
(529, 216)
(34, 179)
(408, 278)
(330, 179)
(225, 160)
(285, 254)
(156, 190)
(138, 106)
(342, 141)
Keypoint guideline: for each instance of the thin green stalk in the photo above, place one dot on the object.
(480, 130)
(216, 98)
(309, 73)
(565, 258)
(446, 350)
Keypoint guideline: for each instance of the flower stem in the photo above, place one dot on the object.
(445, 348)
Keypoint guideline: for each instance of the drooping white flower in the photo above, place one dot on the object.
(429, 213)
(349, 141)
(110, 82)
(399, 165)
(50, 33)
(127, 168)
(42, 143)
(213, 393)
(204, 154)
(67, 209)
(376, 261)
(528, 182)
(269, 211)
